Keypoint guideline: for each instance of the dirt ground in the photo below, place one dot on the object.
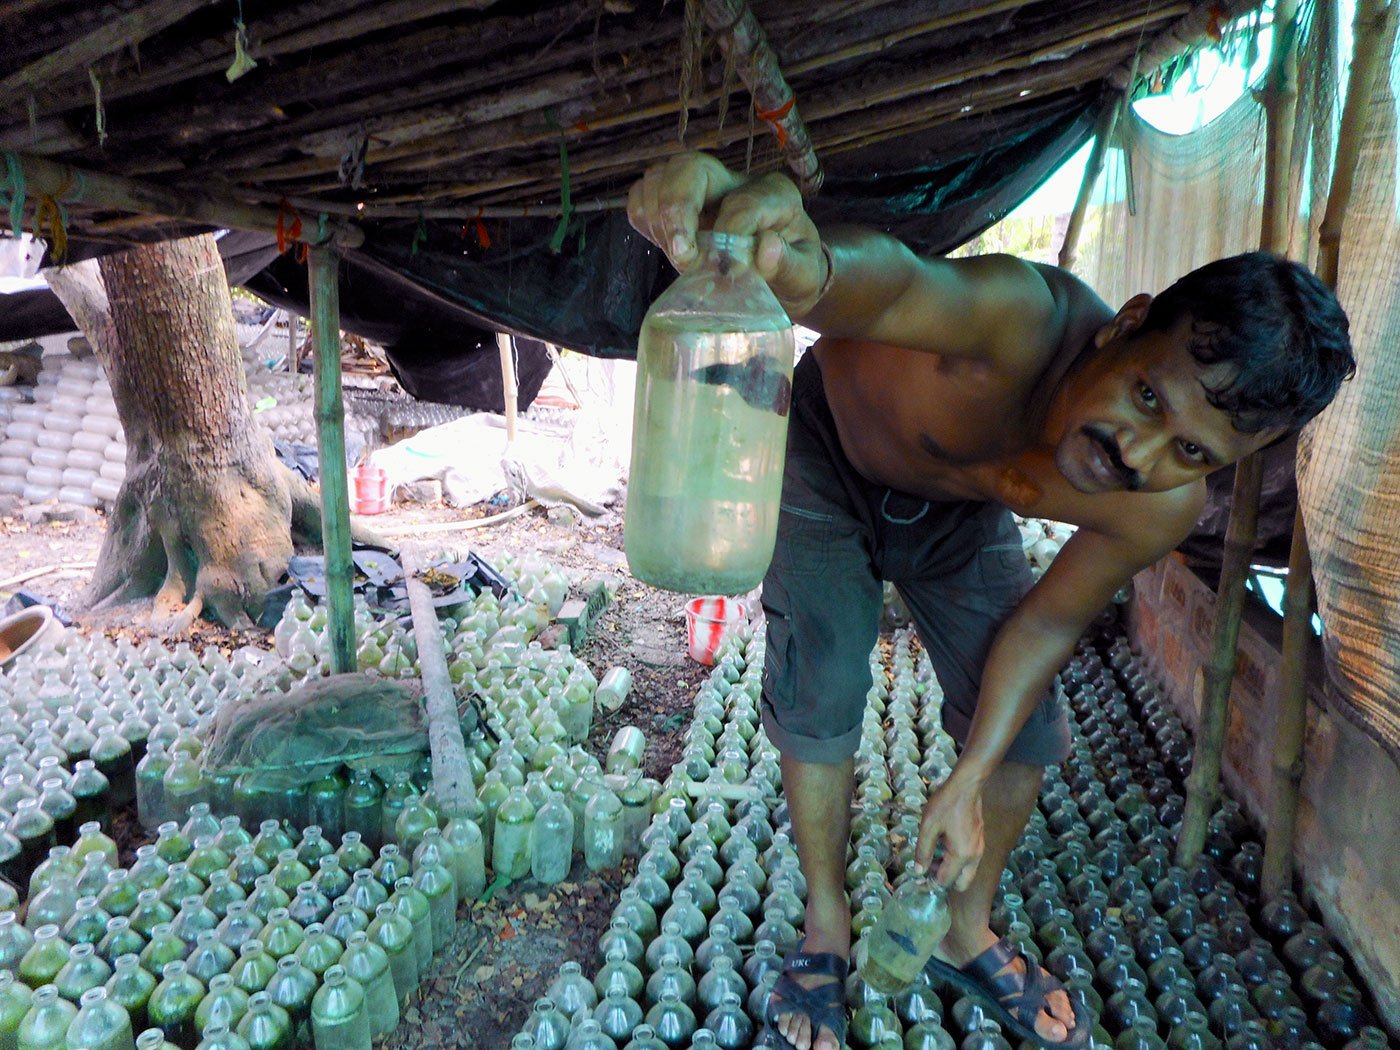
(506, 950)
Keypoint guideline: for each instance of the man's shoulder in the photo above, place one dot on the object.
(1043, 309)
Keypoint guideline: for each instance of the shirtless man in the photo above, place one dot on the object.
(942, 395)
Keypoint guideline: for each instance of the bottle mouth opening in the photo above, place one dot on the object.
(732, 241)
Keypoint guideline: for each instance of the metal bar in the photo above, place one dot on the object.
(330, 435)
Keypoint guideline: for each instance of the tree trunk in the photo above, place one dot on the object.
(206, 516)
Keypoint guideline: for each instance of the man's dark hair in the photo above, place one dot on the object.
(1281, 329)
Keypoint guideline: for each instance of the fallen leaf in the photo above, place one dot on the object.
(484, 973)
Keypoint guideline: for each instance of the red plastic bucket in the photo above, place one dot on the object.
(369, 490)
(707, 622)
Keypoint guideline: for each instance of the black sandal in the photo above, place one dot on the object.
(1014, 999)
(824, 1006)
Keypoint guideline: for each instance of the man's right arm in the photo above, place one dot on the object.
(866, 285)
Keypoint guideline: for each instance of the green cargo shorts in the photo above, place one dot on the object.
(957, 564)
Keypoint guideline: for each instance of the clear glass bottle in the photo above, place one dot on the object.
(464, 835)
(319, 951)
(84, 969)
(571, 991)
(911, 925)
(363, 807)
(714, 384)
(434, 881)
(210, 957)
(552, 844)
(183, 784)
(339, 1018)
(603, 833)
(510, 852)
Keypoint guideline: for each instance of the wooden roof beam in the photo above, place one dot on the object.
(95, 189)
(127, 31)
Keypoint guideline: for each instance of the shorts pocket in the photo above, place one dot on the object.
(804, 541)
(1003, 566)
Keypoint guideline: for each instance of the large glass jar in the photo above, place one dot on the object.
(714, 384)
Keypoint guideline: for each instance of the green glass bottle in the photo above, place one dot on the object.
(319, 951)
(45, 958)
(46, 1024)
(415, 819)
(16, 999)
(163, 948)
(220, 1037)
(120, 939)
(266, 1026)
(368, 964)
(271, 840)
(391, 866)
(281, 936)
(413, 904)
(111, 753)
(254, 967)
(150, 786)
(393, 932)
(435, 883)
(291, 988)
(266, 897)
(154, 1039)
(130, 987)
(225, 1004)
(173, 1003)
(339, 1018)
(363, 807)
(911, 925)
(353, 853)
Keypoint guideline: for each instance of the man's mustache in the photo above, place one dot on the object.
(1132, 480)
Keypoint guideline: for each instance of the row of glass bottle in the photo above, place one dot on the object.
(877, 1023)
(214, 902)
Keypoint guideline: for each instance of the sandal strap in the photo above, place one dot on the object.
(1020, 994)
(816, 964)
(809, 1000)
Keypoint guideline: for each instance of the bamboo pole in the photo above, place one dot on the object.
(1103, 135)
(330, 440)
(1372, 28)
(744, 43)
(70, 185)
(509, 388)
(452, 771)
(1203, 787)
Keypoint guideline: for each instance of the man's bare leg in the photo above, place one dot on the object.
(819, 805)
(1007, 801)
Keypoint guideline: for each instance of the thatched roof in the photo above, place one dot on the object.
(393, 112)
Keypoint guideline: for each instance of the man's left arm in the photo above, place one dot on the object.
(1031, 648)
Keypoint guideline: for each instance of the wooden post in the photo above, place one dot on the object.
(452, 771)
(1103, 134)
(330, 439)
(1203, 787)
(1371, 27)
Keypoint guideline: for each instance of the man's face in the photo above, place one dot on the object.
(1137, 417)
